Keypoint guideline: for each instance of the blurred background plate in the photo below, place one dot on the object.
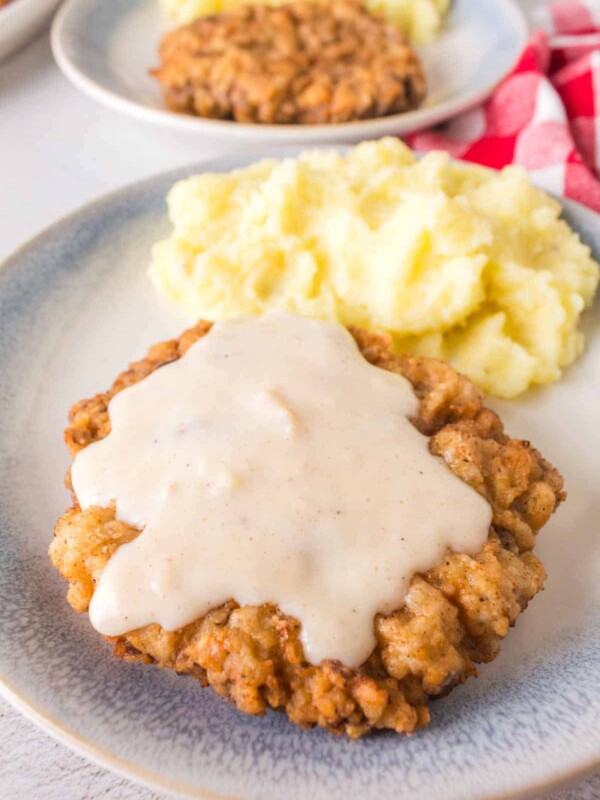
(106, 49)
(21, 20)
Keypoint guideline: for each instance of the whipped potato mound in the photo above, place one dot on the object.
(419, 20)
(452, 260)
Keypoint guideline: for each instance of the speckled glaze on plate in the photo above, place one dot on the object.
(75, 307)
(106, 49)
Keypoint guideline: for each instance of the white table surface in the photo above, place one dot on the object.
(59, 150)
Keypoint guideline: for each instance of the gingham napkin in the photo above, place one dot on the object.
(546, 115)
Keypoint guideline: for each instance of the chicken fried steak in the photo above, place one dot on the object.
(454, 615)
(300, 63)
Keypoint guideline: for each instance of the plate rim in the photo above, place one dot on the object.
(61, 732)
(155, 781)
(22, 22)
(418, 119)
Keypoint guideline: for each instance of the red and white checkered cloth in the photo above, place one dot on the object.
(545, 116)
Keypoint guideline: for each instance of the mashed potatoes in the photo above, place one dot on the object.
(420, 20)
(454, 261)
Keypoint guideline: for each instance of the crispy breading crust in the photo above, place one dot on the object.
(299, 63)
(454, 616)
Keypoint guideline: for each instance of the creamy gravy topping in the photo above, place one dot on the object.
(272, 463)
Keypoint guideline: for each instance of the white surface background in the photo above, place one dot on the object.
(58, 150)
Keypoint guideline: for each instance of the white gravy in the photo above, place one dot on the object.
(272, 463)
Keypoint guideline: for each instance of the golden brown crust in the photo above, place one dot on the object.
(454, 616)
(302, 63)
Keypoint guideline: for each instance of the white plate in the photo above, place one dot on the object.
(21, 20)
(76, 305)
(106, 49)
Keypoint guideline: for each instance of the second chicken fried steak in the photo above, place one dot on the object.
(301, 63)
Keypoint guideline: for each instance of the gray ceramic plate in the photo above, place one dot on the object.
(75, 307)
